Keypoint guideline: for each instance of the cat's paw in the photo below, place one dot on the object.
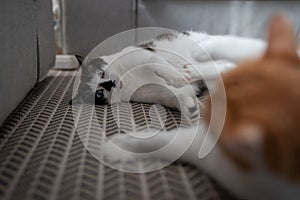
(186, 72)
(188, 106)
(179, 80)
(175, 78)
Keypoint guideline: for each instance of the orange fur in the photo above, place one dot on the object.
(263, 104)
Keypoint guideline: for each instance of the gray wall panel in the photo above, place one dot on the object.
(18, 58)
(245, 18)
(89, 22)
(45, 33)
(27, 49)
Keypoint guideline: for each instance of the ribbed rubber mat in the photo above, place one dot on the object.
(42, 156)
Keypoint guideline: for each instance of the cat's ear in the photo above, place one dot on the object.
(281, 38)
(80, 59)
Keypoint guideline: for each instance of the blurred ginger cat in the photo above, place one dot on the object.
(258, 153)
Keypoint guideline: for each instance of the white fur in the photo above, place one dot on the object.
(175, 64)
(257, 184)
(226, 50)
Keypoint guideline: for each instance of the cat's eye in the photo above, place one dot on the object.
(99, 94)
(101, 74)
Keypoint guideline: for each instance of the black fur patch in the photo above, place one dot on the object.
(186, 33)
(108, 85)
(167, 36)
(148, 46)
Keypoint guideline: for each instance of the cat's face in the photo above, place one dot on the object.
(262, 119)
(94, 87)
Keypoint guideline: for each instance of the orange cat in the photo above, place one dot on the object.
(263, 95)
(258, 153)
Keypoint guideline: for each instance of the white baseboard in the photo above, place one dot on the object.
(66, 62)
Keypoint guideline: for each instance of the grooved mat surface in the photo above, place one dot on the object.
(43, 157)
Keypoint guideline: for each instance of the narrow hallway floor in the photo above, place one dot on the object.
(42, 155)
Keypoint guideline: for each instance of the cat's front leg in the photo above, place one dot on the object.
(183, 143)
(184, 98)
(187, 105)
(173, 77)
(169, 73)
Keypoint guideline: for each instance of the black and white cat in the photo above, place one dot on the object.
(167, 70)
(254, 158)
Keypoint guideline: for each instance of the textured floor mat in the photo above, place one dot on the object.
(42, 156)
